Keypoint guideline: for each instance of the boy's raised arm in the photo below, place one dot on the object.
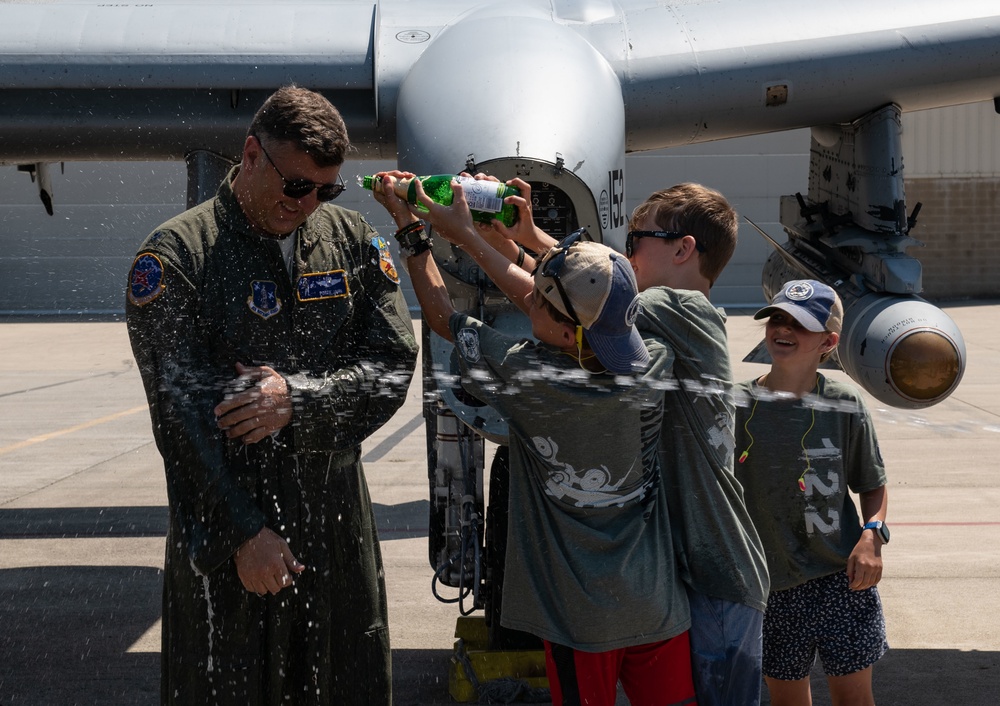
(428, 285)
(525, 233)
(432, 294)
(454, 223)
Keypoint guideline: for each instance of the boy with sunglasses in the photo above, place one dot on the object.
(272, 339)
(679, 241)
(590, 566)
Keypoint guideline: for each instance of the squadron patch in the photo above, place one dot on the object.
(322, 285)
(467, 341)
(263, 300)
(385, 262)
(146, 280)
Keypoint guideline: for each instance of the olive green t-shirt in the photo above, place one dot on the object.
(589, 558)
(718, 548)
(802, 458)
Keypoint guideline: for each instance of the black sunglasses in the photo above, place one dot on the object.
(300, 188)
(554, 264)
(662, 234)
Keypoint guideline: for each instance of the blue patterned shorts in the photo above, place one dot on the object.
(823, 615)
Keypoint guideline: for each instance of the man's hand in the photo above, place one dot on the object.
(255, 412)
(265, 563)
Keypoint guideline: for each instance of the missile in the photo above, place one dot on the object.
(851, 232)
(903, 350)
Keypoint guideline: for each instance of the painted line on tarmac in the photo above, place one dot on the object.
(69, 430)
(58, 384)
(945, 524)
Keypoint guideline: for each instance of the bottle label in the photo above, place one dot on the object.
(482, 195)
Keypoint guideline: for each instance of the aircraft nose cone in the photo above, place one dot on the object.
(924, 366)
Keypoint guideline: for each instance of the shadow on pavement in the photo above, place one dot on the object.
(66, 631)
(925, 678)
(63, 522)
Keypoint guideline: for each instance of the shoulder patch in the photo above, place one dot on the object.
(263, 299)
(146, 280)
(385, 262)
(467, 341)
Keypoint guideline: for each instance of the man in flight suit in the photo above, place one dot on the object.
(272, 339)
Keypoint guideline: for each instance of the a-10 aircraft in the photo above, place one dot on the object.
(556, 92)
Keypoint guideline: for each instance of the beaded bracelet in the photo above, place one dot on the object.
(413, 239)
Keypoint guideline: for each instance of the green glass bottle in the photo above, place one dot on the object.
(485, 198)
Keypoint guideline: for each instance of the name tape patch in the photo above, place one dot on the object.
(322, 285)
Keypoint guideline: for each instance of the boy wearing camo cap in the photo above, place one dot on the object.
(590, 567)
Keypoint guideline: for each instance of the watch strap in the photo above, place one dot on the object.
(880, 528)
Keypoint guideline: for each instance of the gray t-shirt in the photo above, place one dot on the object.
(719, 551)
(803, 456)
(589, 559)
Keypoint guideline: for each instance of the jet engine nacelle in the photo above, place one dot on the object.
(571, 151)
(558, 123)
(903, 350)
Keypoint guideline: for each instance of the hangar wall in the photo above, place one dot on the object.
(952, 167)
(76, 261)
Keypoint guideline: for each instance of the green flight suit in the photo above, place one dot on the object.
(205, 292)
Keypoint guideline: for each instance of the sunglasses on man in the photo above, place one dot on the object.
(300, 188)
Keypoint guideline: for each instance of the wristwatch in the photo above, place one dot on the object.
(881, 529)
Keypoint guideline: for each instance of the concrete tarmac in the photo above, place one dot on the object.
(83, 518)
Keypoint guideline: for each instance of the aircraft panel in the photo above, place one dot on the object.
(713, 82)
(187, 45)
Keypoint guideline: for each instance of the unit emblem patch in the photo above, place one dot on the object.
(263, 300)
(146, 280)
(467, 341)
(385, 262)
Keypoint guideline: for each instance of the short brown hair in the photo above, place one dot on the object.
(699, 211)
(551, 310)
(306, 118)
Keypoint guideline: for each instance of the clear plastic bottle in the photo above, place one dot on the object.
(485, 198)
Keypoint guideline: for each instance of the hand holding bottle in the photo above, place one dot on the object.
(524, 232)
(485, 197)
(384, 191)
(454, 222)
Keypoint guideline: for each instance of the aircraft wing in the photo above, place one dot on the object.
(90, 80)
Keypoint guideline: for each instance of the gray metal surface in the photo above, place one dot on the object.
(173, 76)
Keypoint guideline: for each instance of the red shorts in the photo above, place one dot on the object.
(656, 674)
